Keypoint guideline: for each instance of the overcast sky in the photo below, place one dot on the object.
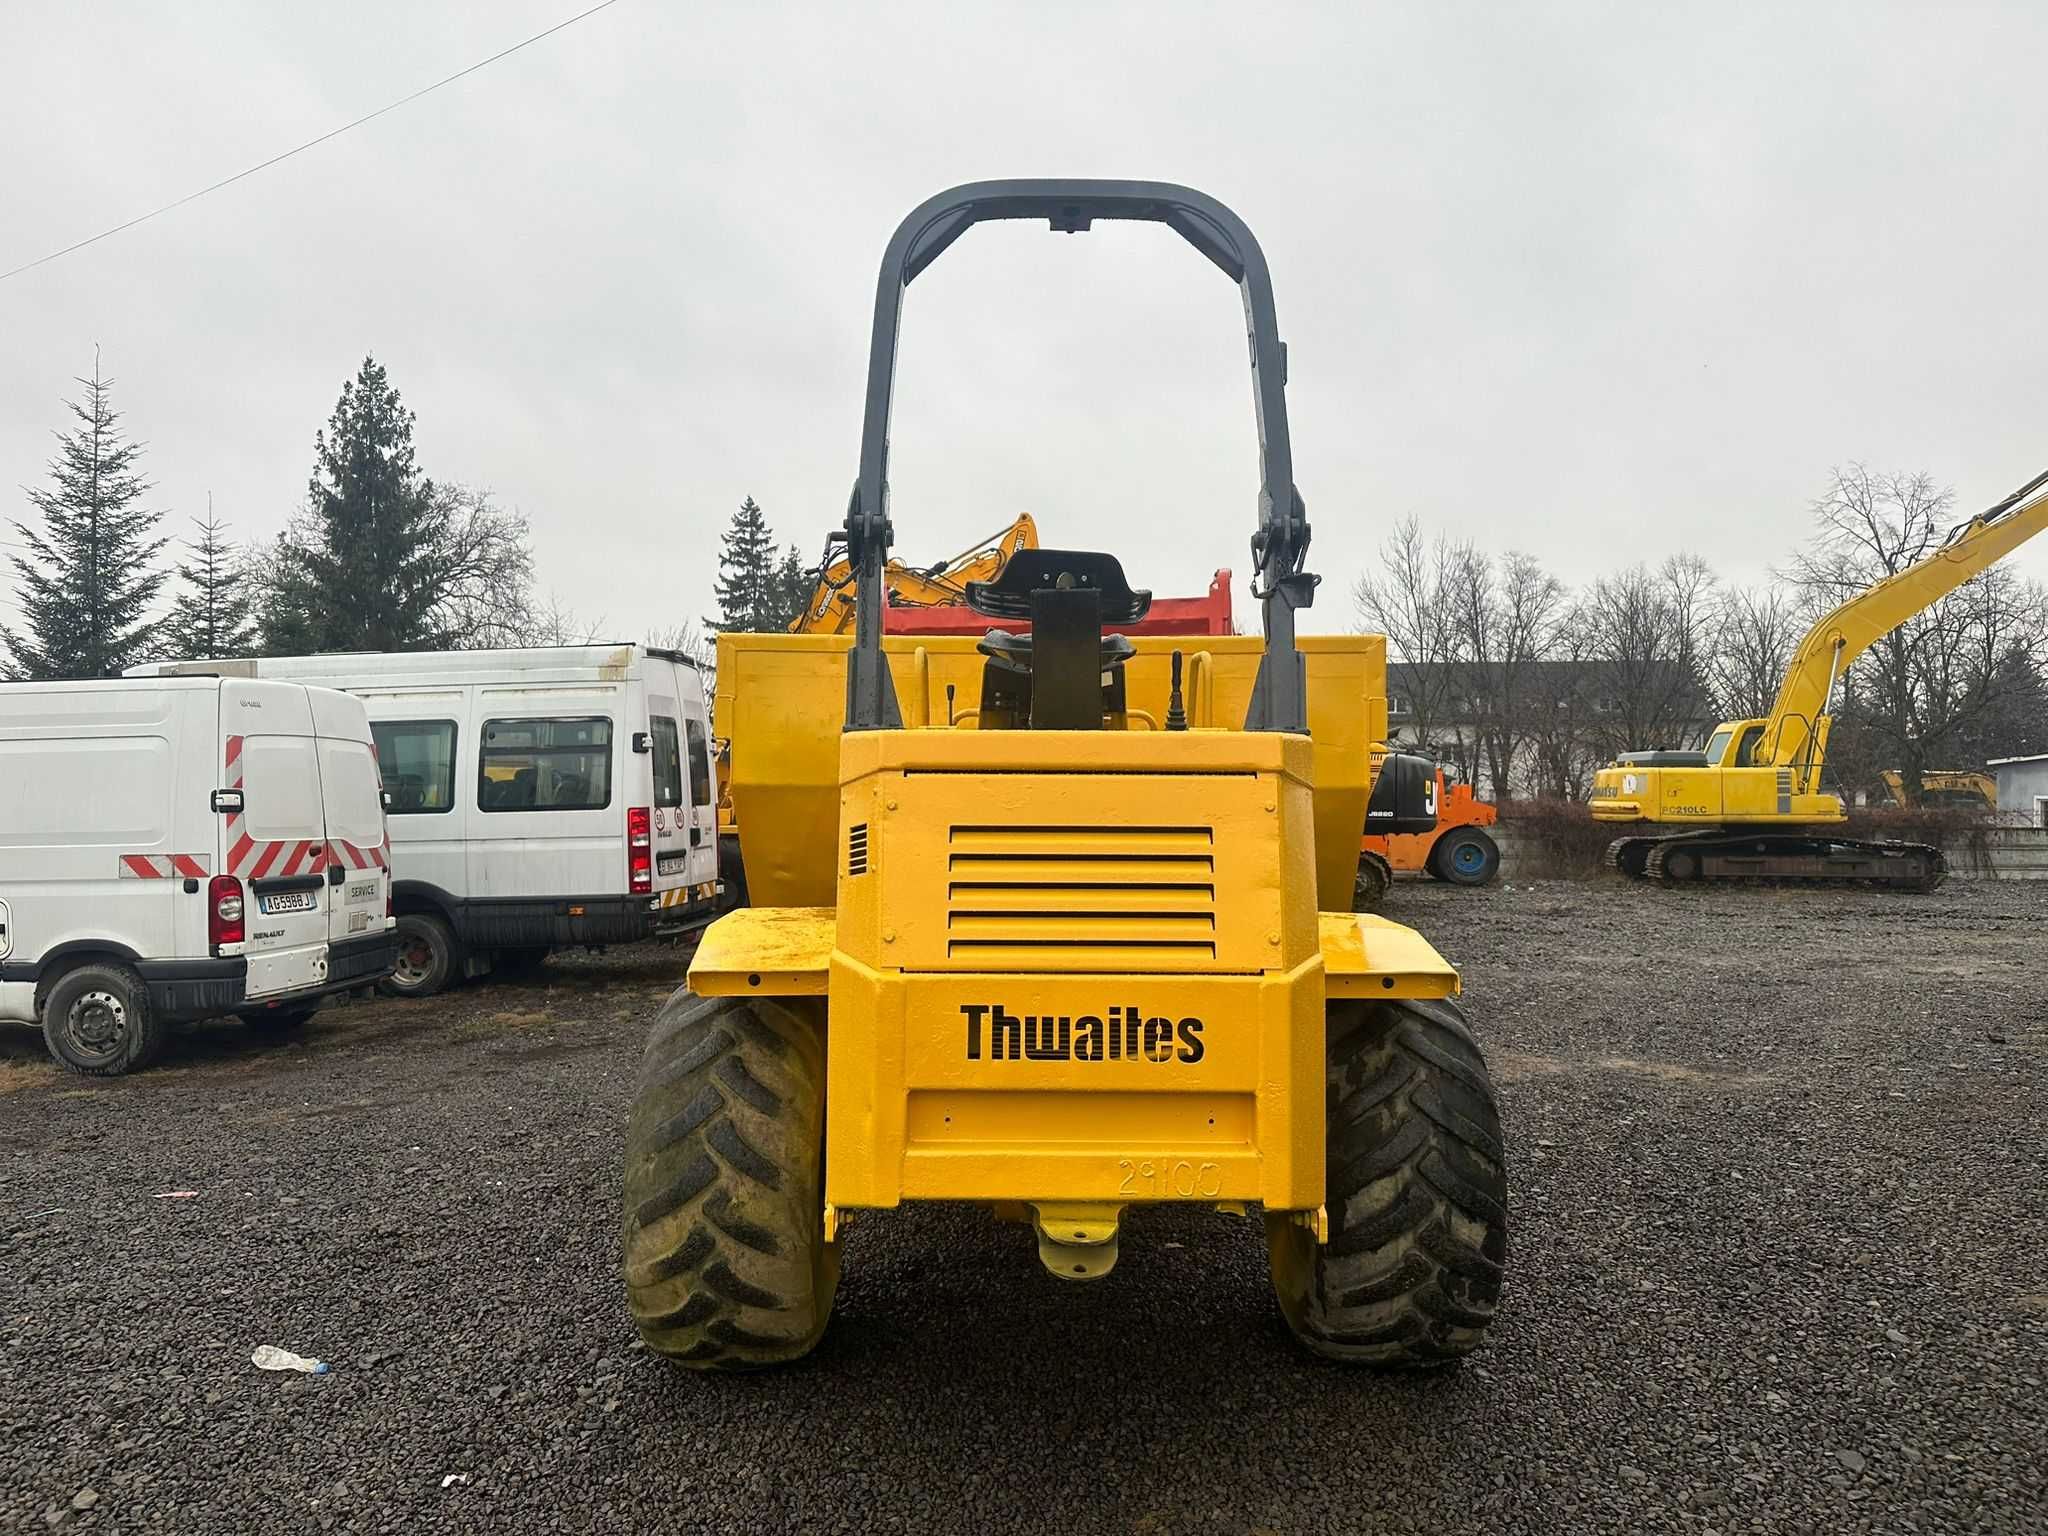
(1597, 282)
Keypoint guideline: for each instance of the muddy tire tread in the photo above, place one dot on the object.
(1417, 1191)
(723, 1183)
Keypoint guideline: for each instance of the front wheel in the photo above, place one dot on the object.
(726, 1263)
(97, 1020)
(426, 958)
(1416, 1192)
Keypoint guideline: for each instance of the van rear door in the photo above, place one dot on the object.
(671, 796)
(358, 857)
(685, 821)
(276, 844)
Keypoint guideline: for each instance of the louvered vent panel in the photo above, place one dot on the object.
(1058, 897)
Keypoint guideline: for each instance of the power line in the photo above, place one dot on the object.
(310, 143)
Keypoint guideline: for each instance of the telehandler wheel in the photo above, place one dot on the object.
(1466, 857)
(1375, 874)
(1416, 1194)
(726, 1263)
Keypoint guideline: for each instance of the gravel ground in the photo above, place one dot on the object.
(1777, 1263)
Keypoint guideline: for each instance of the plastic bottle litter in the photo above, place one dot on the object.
(269, 1357)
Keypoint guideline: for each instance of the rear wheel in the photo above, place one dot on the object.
(1466, 856)
(97, 1020)
(426, 960)
(1416, 1193)
(1375, 874)
(726, 1263)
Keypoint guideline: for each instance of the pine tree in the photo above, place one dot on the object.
(210, 617)
(794, 583)
(746, 586)
(361, 571)
(89, 576)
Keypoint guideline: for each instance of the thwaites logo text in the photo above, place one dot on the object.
(1125, 1034)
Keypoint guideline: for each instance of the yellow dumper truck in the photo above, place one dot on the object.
(1059, 922)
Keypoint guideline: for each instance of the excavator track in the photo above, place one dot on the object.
(1626, 855)
(1725, 855)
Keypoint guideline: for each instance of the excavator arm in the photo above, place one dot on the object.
(830, 610)
(1795, 734)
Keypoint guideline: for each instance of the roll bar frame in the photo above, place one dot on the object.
(1279, 699)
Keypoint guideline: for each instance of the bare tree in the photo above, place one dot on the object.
(1915, 695)
(1751, 636)
(1561, 708)
(685, 639)
(550, 621)
(1504, 616)
(482, 569)
(1409, 602)
(1647, 635)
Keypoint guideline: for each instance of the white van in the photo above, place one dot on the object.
(539, 799)
(179, 848)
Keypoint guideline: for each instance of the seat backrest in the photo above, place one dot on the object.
(1063, 570)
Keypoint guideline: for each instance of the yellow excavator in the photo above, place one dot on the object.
(830, 610)
(1943, 789)
(1750, 807)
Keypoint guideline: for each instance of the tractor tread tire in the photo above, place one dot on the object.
(726, 1267)
(1370, 885)
(1416, 1195)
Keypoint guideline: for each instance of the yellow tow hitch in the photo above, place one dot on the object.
(1077, 1241)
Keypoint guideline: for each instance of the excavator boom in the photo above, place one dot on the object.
(830, 610)
(1852, 628)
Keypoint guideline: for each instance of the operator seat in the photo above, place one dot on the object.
(1066, 674)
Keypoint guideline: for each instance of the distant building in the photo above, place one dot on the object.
(2022, 789)
(1567, 717)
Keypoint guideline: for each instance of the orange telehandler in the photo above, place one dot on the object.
(1457, 849)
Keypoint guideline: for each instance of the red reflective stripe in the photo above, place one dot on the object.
(298, 857)
(270, 853)
(139, 865)
(320, 852)
(238, 856)
(184, 864)
(234, 752)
